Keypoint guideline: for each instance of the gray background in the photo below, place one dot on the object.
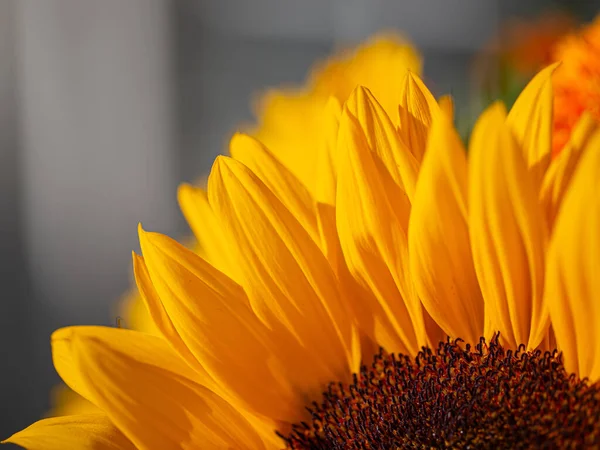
(105, 106)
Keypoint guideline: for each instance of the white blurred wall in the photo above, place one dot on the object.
(95, 103)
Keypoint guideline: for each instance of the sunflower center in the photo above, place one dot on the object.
(456, 397)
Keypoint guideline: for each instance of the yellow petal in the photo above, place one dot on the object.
(438, 238)
(417, 109)
(530, 118)
(446, 103)
(382, 138)
(66, 402)
(559, 174)
(81, 432)
(149, 392)
(282, 182)
(263, 426)
(572, 282)
(213, 317)
(372, 220)
(162, 320)
(289, 282)
(507, 231)
(212, 240)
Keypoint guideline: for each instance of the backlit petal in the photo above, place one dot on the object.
(446, 103)
(438, 238)
(530, 118)
(213, 317)
(507, 231)
(417, 109)
(572, 281)
(559, 174)
(381, 137)
(81, 432)
(282, 182)
(372, 221)
(288, 280)
(213, 241)
(149, 392)
(162, 320)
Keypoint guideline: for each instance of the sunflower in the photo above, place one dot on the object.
(296, 141)
(444, 283)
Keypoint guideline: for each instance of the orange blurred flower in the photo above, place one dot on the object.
(576, 81)
(528, 45)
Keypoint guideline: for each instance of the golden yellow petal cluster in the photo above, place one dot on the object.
(401, 240)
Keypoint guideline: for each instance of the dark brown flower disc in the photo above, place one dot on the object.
(456, 398)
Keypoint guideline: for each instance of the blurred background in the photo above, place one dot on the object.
(106, 106)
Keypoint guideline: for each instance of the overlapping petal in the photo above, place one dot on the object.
(558, 177)
(417, 110)
(530, 118)
(508, 232)
(372, 222)
(281, 181)
(438, 238)
(381, 137)
(147, 391)
(212, 315)
(81, 432)
(213, 241)
(572, 282)
(288, 280)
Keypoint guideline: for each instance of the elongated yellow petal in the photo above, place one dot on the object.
(282, 182)
(372, 221)
(211, 237)
(559, 174)
(572, 281)
(446, 103)
(163, 322)
(417, 109)
(213, 317)
(530, 118)
(382, 138)
(289, 282)
(507, 231)
(263, 426)
(149, 392)
(81, 432)
(438, 237)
